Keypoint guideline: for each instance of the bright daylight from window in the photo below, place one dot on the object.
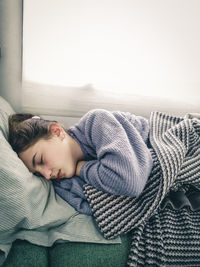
(116, 45)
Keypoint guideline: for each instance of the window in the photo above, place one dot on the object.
(80, 54)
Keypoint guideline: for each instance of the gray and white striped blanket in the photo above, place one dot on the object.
(160, 236)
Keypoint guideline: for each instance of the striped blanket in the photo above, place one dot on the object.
(160, 236)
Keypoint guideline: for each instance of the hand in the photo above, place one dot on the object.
(79, 166)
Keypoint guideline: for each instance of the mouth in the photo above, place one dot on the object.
(59, 175)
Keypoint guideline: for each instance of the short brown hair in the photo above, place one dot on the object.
(25, 130)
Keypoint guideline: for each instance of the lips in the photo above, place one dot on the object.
(59, 175)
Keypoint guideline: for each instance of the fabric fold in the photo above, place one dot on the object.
(165, 226)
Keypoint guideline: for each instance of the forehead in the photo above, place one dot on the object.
(27, 155)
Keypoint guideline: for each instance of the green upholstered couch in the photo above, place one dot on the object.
(72, 254)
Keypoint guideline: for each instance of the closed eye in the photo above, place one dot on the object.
(41, 161)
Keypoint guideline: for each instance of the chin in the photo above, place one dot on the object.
(70, 173)
(70, 169)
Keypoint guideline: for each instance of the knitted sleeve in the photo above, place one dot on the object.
(123, 161)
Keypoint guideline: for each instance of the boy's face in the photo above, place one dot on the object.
(54, 158)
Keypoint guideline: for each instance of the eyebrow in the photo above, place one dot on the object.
(33, 160)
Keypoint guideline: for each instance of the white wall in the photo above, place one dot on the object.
(10, 42)
(10, 65)
(146, 47)
(135, 55)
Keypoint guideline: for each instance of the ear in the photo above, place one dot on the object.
(55, 129)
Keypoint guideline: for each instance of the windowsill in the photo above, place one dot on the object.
(74, 102)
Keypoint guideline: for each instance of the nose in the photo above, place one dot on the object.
(46, 172)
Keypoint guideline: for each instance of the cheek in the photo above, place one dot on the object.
(57, 156)
(54, 159)
(50, 161)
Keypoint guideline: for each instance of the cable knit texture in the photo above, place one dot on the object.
(161, 234)
(114, 145)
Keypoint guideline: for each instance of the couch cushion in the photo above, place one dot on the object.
(90, 255)
(25, 254)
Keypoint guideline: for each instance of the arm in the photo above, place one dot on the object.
(123, 161)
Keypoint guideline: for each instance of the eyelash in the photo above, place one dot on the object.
(41, 161)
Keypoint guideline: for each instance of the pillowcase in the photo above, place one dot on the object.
(29, 207)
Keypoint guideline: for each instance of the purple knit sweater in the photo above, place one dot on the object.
(114, 145)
